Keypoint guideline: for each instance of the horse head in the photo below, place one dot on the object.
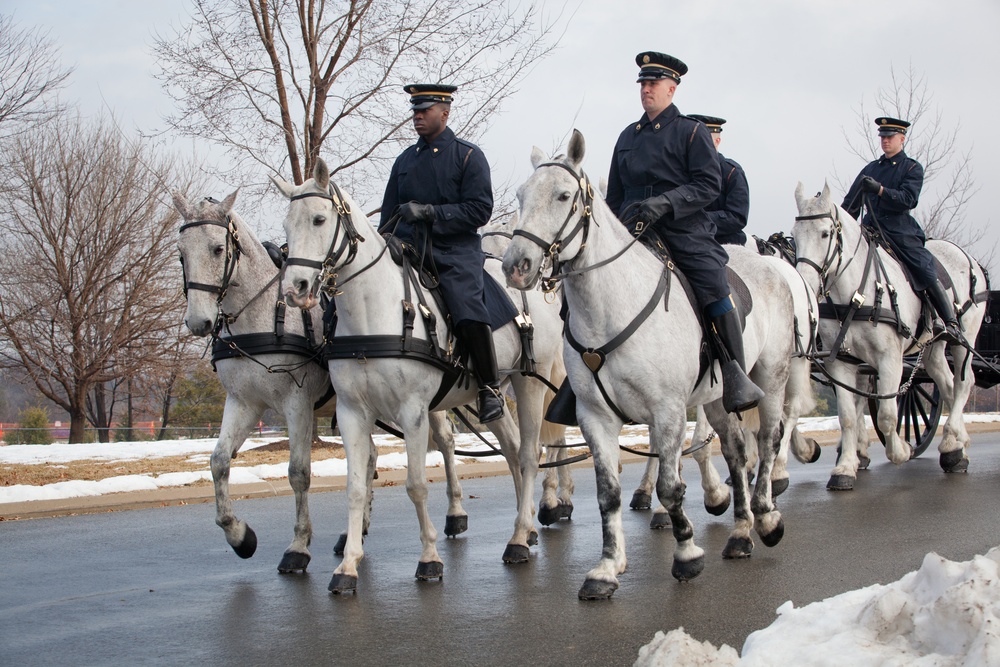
(555, 208)
(321, 234)
(210, 250)
(819, 236)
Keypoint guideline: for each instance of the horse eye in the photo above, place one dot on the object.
(825, 235)
(218, 250)
(564, 196)
(319, 220)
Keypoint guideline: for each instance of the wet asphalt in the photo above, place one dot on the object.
(162, 587)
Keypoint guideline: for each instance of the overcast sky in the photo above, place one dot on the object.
(789, 75)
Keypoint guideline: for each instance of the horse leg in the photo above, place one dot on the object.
(456, 521)
(734, 450)
(530, 396)
(642, 497)
(954, 390)
(430, 565)
(716, 492)
(300, 436)
(799, 400)
(341, 544)
(601, 435)
(355, 431)
(668, 437)
(770, 411)
(860, 432)
(557, 484)
(845, 471)
(237, 420)
(889, 369)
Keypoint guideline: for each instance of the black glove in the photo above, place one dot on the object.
(869, 184)
(411, 211)
(650, 210)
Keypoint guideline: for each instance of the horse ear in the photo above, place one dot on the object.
(181, 203)
(230, 201)
(577, 147)
(602, 186)
(826, 191)
(321, 174)
(537, 156)
(283, 186)
(798, 194)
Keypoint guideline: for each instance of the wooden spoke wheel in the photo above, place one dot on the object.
(918, 413)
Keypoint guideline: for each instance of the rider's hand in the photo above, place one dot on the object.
(650, 210)
(869, 184)
(411, 211)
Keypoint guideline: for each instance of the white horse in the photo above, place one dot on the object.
(229, 275)
(611, 286)
(322, 228)
(799, 401)
(833, 255)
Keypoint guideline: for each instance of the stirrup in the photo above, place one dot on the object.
(739, 393)
(489, 404)
(949, 332)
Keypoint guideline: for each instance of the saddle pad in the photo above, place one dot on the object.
(740, 292)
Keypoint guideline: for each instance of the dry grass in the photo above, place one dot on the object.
(95, 470)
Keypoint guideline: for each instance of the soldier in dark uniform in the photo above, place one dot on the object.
(889, 188)
(664, 172)
(730, 211)
(441, 185)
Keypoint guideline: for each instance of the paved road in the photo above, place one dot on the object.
(161, 587)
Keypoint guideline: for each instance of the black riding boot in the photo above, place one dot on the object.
(739, 393)
(562, 409)
(950, 331)
(478, 338)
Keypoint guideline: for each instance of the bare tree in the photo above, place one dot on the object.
(30, 75)
(949, 182)
(94, 287)
(275, 82)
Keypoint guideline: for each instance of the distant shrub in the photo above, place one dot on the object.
(33, 428)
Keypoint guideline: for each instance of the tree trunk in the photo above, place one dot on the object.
(165, 412)
(77, 423)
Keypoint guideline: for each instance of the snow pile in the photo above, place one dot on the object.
(944, 614)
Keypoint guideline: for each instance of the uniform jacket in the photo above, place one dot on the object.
(453, 176)
(730, 211)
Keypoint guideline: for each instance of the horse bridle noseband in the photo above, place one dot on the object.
(348, 244)
(834, 249)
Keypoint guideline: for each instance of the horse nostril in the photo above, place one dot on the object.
(301, 285)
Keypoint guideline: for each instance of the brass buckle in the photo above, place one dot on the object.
(858, 299)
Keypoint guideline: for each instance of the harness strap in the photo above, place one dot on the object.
(594, 358)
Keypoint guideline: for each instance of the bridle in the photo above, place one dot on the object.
(345, 242)
(834, 250)
(233, 252)
(583, 201)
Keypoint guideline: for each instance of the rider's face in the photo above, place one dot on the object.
(892, 144)
(656, 95)
(429, 123)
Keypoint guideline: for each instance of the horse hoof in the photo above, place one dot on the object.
(720, 509)
(778, 486)
(840, 483)
(248, 546)
(532, 538)
(865, 461)
(343, 583)
(660, 521)
(338, 548)
(687, 570)
(431, 570)
(816, 451)
(594, 589)
(515, 554)
(641, 501)
(955, 461)
(772, 538)
(455, 525)
(738, 547)
(293, 561)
